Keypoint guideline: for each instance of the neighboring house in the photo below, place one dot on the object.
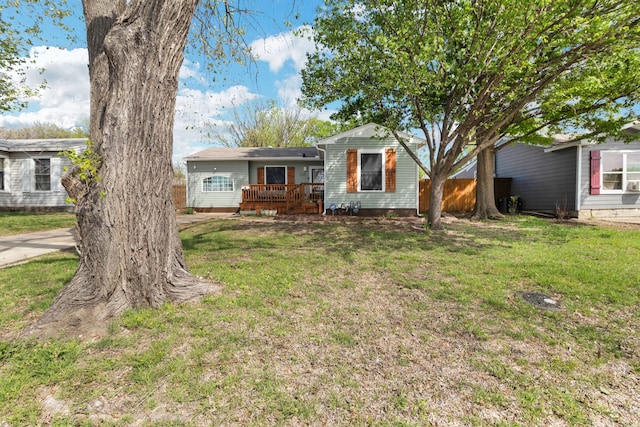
(30, 172)
(589, 179)
(364, 168)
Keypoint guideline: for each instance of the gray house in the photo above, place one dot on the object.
(590, 179)
(30, 172)
(363, 170)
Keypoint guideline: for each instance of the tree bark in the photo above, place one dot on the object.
(130, 251)
(485, 194)
(434, 217)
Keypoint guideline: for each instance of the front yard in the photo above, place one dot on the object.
(365, 322)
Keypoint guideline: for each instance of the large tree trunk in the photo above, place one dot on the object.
(130, 250)
(434, 217)
(485, 195)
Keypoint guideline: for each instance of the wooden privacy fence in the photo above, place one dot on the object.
(180, 196)
(459, 195)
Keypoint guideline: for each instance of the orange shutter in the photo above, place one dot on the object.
(352, 171)
(260, 175)
(390, 170)
(291, 175)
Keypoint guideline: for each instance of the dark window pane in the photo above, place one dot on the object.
(371, 171)
(275, 175)
(43, 174)
(612, 181)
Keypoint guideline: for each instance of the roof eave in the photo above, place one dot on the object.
(250, 159)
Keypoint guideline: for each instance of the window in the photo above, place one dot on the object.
(620, 172)
(275, 174)
(370, 171)
(43, 174)
(317, 175)
(217, 183)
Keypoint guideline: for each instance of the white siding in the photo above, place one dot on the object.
(19, 182)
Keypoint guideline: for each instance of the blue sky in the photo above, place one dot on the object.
(275, 75)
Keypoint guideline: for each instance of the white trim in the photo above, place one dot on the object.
(33, 175)
(624, 173)
(222, 175)
(324, 160)
(383, 165)
(579, 179)
(370, 130)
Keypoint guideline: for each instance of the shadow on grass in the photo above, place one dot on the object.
(348, 237)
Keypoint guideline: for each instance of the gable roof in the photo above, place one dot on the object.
(41, 145)
(368, 131)
(256, 153)
(563, 141)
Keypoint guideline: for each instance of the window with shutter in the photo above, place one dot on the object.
(371, 170)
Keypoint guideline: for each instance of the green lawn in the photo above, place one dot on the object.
(361, 323)
(26, 222)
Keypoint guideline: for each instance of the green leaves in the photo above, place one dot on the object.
(86, 165)
(481, 70)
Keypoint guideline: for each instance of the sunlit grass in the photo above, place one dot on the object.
(363, 323)
(27, 222)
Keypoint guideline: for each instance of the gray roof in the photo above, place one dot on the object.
(41, 145)
(255, 153)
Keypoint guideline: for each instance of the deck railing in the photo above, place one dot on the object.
(287, 196)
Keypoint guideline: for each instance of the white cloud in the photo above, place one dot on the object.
(65, 100)
(197, 110)
(191, 70)
(281, 48)
(289, 90)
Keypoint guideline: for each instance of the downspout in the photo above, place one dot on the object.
(578, 181)
(417, 179)
(324, 168)
(186, 193)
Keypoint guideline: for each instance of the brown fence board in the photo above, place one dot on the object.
(180, 197)
(459, 195)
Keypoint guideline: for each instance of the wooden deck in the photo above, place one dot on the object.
(283, 198)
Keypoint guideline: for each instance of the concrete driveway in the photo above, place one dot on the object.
(20, 248)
